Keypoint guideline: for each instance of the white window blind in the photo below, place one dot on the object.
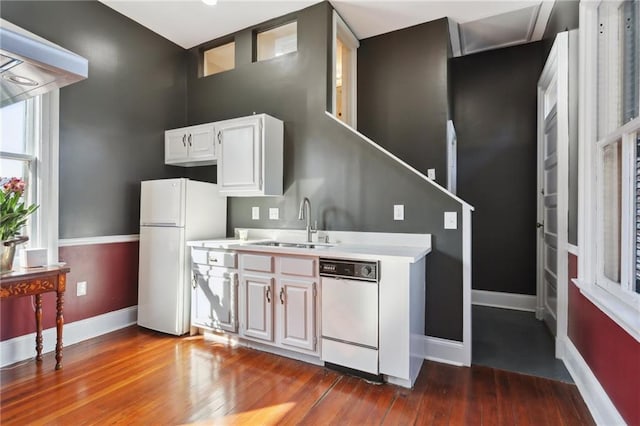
(630, 16)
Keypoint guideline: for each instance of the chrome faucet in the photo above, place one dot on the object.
(305, 213)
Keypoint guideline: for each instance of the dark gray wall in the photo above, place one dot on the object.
(495, 117)
(111, 124)
(565, 16)
(402, 94)
(352, 186)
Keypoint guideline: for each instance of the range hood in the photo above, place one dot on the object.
(31, 65)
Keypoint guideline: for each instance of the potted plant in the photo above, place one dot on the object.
(13, 216)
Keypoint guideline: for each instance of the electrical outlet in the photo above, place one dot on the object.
(431, 174)
(398, 212)
(81, 288)
(450, 220)
(274, 213)
(255, 213)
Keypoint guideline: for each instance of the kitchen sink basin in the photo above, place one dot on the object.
(291, 245)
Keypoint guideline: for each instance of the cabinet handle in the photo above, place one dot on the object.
(189, 139)
(219, 137)
(184, 138)
(282, 296)
(268, 294)
(194, 281)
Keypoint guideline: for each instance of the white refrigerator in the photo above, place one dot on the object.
(172, 212)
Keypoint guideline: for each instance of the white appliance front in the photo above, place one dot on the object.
(163, 294)
(350, 311)
(162, 202)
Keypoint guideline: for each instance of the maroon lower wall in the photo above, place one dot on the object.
(611, 353)
(111, 273)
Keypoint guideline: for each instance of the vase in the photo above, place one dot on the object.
(9, 252)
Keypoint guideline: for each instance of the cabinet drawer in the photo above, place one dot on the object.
(300, 266)
(256, 262)
(220, 258)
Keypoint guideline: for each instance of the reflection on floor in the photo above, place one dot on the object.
(515, 341)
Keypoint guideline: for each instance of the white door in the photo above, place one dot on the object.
(162, 202)
(239, 154)
(553, 189)
(161, 287)
(213, 303)
(201, 142)
(175, 146)
(258, 307)
(297, 313)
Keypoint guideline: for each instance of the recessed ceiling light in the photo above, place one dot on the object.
(17, 79)
(210, 2)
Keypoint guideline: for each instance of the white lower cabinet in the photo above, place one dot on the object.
(280, 308)
(214, 302)
(257, 307)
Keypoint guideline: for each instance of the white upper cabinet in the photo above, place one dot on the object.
(250, 155)
(190, 146)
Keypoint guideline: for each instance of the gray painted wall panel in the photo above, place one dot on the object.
(495, 117)
(403, 94)
(111, 124)
(352, 186)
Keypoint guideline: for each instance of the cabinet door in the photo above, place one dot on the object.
(213, 304)
(175, 146)
(297, 317)
(258, 307)
(240, 155)
(201, 142)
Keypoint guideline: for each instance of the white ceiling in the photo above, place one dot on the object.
(189, 23)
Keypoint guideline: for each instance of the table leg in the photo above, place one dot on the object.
(59, 324)
(38, 327)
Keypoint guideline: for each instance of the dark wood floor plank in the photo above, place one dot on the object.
(136, 376)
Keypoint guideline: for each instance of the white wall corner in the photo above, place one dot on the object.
(602, 409)
(23, 347)
(497, 299)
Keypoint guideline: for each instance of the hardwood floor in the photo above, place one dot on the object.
(134, 376)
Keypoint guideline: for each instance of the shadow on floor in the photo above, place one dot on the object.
(515, 341)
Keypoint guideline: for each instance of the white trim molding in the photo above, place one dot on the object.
(498, 299)
(108, 239)
(602, 409)
(23, 347)
(446, 351)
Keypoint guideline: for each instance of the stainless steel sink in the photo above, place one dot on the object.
(291, 245)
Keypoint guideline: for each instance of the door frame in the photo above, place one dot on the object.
(556, 65)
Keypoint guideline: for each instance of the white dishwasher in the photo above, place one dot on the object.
(350, 314)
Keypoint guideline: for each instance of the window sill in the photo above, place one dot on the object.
(623, 314)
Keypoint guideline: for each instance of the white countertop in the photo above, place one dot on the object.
(338, 250)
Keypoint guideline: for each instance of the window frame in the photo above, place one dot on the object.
(214, 45)
(618, 300)
(287, 20)
(43, 134)
(350, 41)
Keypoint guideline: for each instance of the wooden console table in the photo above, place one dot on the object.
(34, 282)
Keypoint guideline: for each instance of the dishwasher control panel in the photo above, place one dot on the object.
(350, 269)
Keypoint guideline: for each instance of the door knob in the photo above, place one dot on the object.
(539, 225)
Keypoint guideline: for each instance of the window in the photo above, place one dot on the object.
(344, 87)
(219, 59)
(277, 41)
(29, 149)
(18, 149)
(609, 216)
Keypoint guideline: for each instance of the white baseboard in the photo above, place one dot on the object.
(23, 347)
(597, 400)
(445, 351)
(497, 299)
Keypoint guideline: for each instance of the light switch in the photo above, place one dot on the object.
(398, 212)
(274, 213)
(255, 213)
(450, 220)
(431, 174)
